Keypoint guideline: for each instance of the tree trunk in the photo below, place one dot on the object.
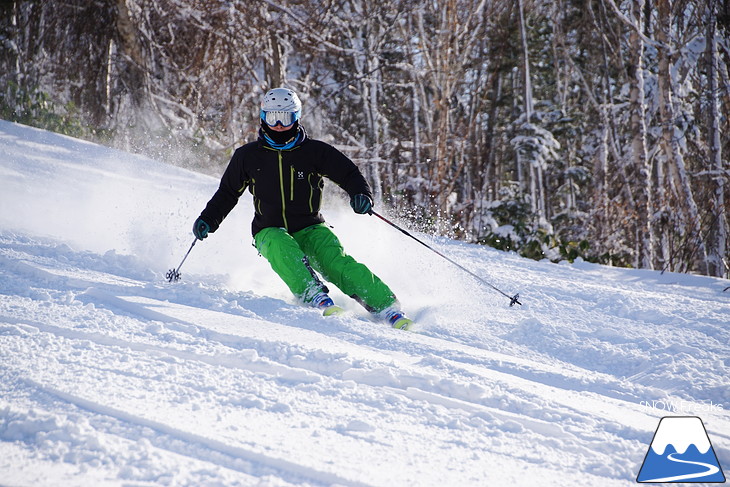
(644, 257)
(274, 66)
(718, 241)
(670, 145)
(130, 46)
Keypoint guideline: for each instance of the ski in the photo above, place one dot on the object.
(398, 322)
(403, 323)
(333, 310)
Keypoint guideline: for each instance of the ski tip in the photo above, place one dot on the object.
(403, 324)
(333, 311)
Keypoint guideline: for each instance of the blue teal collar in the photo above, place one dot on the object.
(293, 142)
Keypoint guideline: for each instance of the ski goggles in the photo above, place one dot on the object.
(274, 117)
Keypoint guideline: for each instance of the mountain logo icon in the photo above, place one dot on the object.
(681, 452)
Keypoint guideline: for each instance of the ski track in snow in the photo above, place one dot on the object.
(111, 376)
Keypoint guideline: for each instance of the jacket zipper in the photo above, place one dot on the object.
(281, 188)
(291, 184)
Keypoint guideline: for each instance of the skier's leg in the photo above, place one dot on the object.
(354, 279)
(289, 262)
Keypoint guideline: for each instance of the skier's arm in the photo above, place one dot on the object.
(232, 185)
(340, 169)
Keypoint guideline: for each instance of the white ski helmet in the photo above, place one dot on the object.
(281, 105)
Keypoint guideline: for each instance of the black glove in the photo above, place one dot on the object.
(361, 203)
(200, 229)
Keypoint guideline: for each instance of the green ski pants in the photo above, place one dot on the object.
(295, 258)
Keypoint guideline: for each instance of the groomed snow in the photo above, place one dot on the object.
(111, 376)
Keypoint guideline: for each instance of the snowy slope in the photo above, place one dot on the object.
(111, 376)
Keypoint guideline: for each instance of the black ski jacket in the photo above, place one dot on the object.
(286, 184)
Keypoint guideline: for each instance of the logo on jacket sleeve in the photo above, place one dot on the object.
(680, 452)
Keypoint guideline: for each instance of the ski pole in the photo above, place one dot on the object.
(174, 274)
(512, 299)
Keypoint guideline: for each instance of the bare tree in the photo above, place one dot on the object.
(718, 253)
(639, 159)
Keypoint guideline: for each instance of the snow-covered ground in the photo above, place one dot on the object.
(111, 376)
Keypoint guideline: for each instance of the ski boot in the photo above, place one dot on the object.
(396, 319)
(323, 302)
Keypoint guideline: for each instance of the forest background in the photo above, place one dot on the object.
(559, 129)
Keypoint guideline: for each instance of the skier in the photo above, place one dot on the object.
(283, 171)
